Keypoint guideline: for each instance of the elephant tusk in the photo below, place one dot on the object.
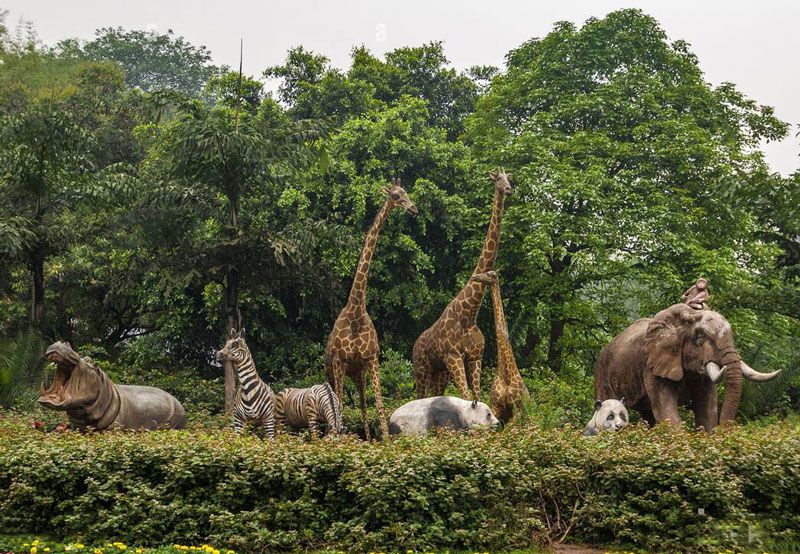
(754, 375)
(714, 371)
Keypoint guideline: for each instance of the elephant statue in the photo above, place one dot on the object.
(672, 359)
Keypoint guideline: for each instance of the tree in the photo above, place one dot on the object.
(42, 163)
(311, 88)
(216, 161)
(154, 61)
(619, 148)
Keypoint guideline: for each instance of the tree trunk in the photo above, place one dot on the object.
(233, 320)
(557, 324)
(233, 317)
(36, 264)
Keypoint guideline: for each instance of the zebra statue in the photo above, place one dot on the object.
(301, 408)
(254, 398)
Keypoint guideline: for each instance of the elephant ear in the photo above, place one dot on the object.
(662, 345)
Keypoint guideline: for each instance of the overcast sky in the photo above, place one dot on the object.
(753, 44)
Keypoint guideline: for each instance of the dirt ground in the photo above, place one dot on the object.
(576, 549)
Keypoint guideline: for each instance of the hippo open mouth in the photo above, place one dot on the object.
(58, 393)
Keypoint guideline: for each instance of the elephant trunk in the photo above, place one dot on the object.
(733, 386)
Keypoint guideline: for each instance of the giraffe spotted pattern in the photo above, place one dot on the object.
(454, 344)
(509, 392)
(353, 347)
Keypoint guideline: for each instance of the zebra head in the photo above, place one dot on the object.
(235, 348)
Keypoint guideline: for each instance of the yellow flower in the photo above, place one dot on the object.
(47, 550)
(79, 546)
(35, 543)
(33, 550)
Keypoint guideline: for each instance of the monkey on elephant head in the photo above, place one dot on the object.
(696, 295)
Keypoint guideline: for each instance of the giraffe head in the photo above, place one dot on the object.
(398, 196)
(235, 348)
(501, 180)
(486, 278)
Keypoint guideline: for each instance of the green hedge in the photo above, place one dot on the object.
(657, 489)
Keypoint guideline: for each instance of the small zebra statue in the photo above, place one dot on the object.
(254, 398)
(307, 408)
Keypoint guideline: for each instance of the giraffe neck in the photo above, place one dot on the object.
(492, 241)
(470, 298)
(505, 357)
(358, 292)
(501, 329)
(248, 378)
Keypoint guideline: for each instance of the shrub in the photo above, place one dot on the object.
(661, 489)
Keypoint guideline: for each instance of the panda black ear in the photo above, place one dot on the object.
(597, 404)
(622, 401)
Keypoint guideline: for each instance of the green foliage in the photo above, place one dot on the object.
(20, 365)
(486, 490)
(153, 61)
(167, 198)
(623, 155)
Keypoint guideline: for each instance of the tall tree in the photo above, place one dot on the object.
(154, 61)
(43, 160)
(620, 148)
(217, 161)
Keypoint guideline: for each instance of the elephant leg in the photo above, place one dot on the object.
(663, 399)
(704, 405)
(646, 411)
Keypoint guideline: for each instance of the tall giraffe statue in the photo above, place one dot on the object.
(353, 347)
(508, 389)
(453, 343)
(432, 367)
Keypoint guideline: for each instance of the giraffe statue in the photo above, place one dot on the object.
(508, 389)
(352, 347)
(453, 343)
(432, 367)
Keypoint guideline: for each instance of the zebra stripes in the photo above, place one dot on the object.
(254, 398)
(301, 408)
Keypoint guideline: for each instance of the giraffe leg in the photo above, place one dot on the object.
(422, 371)
(362, 401)
(438, 383)
(475, 376)
(455, 365)
(374, 371)
(338, 378)
(421, 378)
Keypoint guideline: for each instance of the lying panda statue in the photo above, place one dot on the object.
(609, 415)
(420, 416)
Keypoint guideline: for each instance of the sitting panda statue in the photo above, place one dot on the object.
(609, 415)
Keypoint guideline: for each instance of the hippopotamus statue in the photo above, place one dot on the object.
(420, 416)
(92, 401)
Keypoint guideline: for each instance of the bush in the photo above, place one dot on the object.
(481, 490)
